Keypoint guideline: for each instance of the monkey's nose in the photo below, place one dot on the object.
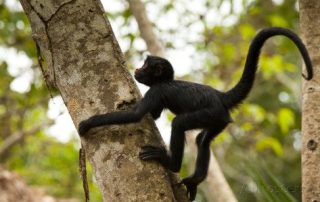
(137, 70)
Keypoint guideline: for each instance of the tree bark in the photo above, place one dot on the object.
(217, 189)
(83, 60)
(310, 29)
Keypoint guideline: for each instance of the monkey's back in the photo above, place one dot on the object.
(183, 96)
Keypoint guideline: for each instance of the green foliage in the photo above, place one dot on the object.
(247, 31)
(270, 142)
(270, 189)
(263, 125)
(43, 161)
(285, 120)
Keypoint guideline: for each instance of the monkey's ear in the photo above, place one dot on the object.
(158, 70)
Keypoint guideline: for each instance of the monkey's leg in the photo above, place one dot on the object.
(202, 162)
(201, 166)
(180, 124)
(203, 141)
(171, 160)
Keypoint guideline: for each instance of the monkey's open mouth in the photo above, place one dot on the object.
(137, 76)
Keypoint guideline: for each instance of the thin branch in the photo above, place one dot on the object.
(83, 172)
(16, 137)
(145, 26)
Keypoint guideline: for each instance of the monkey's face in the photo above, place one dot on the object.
(143, 74)
(154, 70)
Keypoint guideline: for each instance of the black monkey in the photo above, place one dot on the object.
(196, 106)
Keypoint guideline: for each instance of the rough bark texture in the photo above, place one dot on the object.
(85, 63)
(217, 188)
(310, 29)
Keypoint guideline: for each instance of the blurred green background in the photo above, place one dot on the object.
(207, 42)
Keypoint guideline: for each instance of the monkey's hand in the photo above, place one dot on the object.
(84, 126)
(191, 186)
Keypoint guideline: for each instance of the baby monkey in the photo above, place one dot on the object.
(196, 106)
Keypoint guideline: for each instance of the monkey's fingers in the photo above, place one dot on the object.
(147, 147)
(192, 193)
(150, 154)
(149, 157)
(191, 188)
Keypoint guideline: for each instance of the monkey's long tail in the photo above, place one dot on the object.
(239, 92)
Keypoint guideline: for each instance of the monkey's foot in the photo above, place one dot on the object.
(191, 186)
(158, 154)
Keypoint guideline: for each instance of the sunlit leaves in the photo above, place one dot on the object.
(247, 31)
(278, 21)
(286, 119)
(229, 51)
(270, 143)
(15, 30)
(257, 112)
(271, 65)
(223, 136)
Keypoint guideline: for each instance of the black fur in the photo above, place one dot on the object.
(196, 106)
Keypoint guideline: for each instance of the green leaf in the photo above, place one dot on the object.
(283, 193)
(257, 111)
(285, 119)
(247, 31)
(229, 51)
(270, 143)
(278, 21)
(270, 188)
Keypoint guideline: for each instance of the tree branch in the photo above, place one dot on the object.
(145, 26)
(16, 137)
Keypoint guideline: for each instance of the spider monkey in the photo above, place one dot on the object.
(196, 106)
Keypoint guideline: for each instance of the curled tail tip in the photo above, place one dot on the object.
(309, 77)
(309, 69)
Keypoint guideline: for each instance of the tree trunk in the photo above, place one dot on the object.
(85, 63)
(216, 186)
(310, 29)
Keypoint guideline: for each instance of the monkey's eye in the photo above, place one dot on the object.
(158, 70)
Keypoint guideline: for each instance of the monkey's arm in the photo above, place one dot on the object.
(156, 113)
(144, 106)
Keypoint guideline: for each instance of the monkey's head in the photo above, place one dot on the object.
(154, 70)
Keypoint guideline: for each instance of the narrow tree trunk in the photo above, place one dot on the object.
(85, 63)
(138, 10)
(216, 186)
(310, 29)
